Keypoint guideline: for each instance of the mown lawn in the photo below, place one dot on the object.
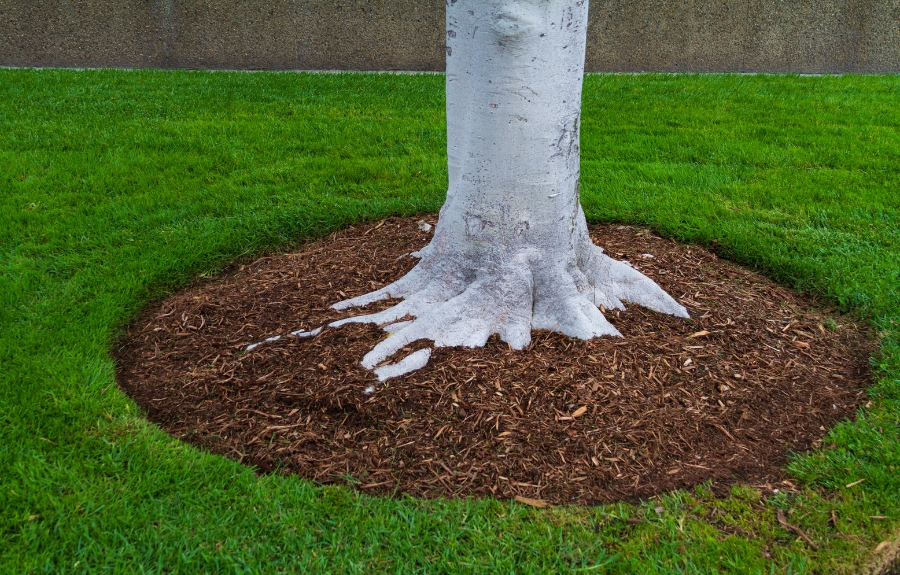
(117, 187)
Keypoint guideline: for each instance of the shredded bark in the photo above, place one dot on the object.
(756, 373)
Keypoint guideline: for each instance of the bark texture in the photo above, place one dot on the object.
(510, 252)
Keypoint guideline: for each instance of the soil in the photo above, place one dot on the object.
(755, 374)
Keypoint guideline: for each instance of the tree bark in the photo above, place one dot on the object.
(511, 251)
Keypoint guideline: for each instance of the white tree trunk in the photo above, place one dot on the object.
(510, 252)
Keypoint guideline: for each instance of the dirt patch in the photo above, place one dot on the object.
(725, 396)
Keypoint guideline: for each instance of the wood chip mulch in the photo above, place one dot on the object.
(725, 396)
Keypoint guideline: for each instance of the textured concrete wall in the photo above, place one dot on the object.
(808, 36)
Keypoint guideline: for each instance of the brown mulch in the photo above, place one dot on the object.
(725, 396)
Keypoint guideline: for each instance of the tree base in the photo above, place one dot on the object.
(452, 302)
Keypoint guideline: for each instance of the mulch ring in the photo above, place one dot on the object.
(725, 396)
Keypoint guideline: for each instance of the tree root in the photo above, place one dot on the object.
(454, 304)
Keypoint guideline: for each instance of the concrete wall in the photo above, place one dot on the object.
(807, 36)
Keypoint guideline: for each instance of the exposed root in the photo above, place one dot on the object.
(610, 282)
(412, 362)
(455, 305)
(298, 333)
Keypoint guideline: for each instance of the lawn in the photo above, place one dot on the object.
(118, 187)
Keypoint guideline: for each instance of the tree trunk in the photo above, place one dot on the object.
(510, 252)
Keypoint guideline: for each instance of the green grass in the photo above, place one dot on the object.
(117, 187)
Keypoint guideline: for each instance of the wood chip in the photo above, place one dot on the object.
(725, 431)
(779, 514)
(540, 503)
